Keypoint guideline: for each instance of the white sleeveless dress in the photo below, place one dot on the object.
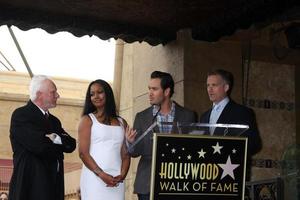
(105, 148)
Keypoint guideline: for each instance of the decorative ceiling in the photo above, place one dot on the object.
(153, 21)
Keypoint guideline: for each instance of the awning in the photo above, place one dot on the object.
(153, 21)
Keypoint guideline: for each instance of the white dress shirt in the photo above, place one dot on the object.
(216, 112)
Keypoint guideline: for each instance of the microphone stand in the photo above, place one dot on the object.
(150, 128)
(142, 136)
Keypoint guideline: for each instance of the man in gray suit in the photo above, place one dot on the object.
(162, 109)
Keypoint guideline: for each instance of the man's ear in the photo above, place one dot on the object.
(167, 92)
(38, 94)
(226, 87)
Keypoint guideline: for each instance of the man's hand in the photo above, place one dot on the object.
(56, 139)
(51, 136)
(130, 134)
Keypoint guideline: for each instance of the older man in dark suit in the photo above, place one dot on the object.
(163, 109)
(38, 142)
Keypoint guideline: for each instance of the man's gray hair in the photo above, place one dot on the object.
(36, 84)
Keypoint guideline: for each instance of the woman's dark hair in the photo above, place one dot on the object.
(166, 80)
(110, 105)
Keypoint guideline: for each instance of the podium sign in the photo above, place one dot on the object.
(194, 167)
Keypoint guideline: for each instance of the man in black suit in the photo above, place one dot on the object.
(38, 142)
(162, 109)
(226, 111)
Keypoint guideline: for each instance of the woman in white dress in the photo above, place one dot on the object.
(102, 146)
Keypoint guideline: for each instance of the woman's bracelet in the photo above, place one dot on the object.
(97, 170)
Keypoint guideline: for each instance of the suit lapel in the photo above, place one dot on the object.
(36, 113)
(149, 119)
(205, 119)
(223, 119)
(38, 116)
(177, 118)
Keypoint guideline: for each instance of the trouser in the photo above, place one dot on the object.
(143, 196)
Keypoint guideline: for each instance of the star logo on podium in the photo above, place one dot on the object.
(201, 153)
(228, 168)
(217, 148)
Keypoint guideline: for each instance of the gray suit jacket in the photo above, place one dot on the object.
(144, 149)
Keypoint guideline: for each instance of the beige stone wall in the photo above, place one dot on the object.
(72, 180)
(274, 83)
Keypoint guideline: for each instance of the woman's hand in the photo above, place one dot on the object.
(119, 178)
(108, 179)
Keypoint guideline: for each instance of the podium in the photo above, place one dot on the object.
(195, 165)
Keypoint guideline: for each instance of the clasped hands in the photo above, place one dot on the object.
(110, 180)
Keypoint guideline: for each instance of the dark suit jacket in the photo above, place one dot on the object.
(144, 149)
(38, 162)
(234, 113)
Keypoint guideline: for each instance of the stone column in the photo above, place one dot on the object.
(118, 71)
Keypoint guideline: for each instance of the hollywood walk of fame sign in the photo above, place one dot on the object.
(194, 167)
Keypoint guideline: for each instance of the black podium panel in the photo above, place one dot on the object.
(194, 167)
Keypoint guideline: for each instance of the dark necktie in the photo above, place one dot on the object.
(47, 122)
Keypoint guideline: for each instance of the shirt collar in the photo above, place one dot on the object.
(156, 108)
(44, 112)
(222, 103)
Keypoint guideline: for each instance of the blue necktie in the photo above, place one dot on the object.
(214, 117)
